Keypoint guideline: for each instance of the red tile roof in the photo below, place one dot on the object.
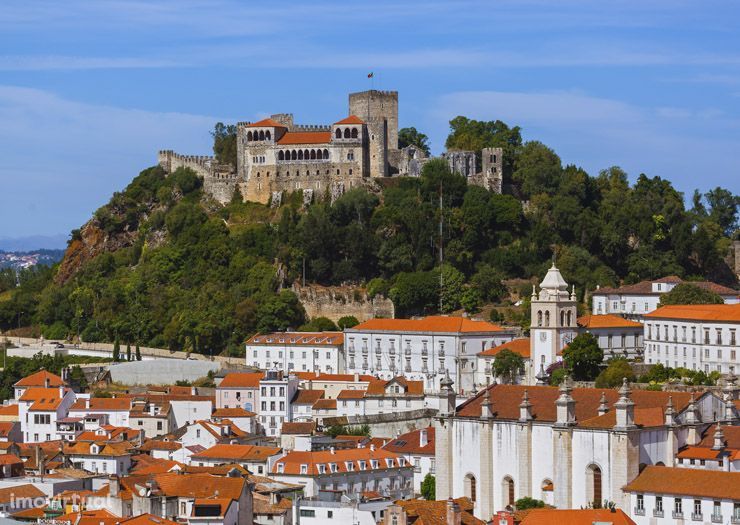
(158, 466)
(731, 433)
(409, 387)
(20, 491)
(410, 443)
(293, 460)
(9, 459)
(335, 378)
(9, 410)
(351, 394)
(298, 339)
(308, 397)
(147, 519)
(39, 379)
(6, 427)
(352, 119)
(506, 400)
(222, 504)
(699, 312)
(325, 404)
(232, 412)
(646, 287)
(200, 485)
(242, 380)
(306, 427)
(423, 512)
(434, 323)
(305, 137)
(687, 482)
(90, 517)
(154, 444)
(266, 123)
(698, 453)
(103, 404)
(606, 321)
(238, 452)
(576, 517)
(519, 346)
(42, 399)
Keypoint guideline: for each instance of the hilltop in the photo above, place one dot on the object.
(164, 264)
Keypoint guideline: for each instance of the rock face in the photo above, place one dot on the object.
(335, 302)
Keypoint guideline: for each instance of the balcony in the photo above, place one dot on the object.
(639, 511)
(658, 513)
(391, 351)
(697, 516)
(716, 518)
(677, 515)
(407, 351)
(441, 353)
(735, 518)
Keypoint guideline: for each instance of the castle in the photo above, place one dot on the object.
(275, 155)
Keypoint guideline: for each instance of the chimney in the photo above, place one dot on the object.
(61, 391)
(719, 438)
(46, 382)
(317, 372)
(372, 447)
(357, 377)
(423, 437)
(151, 409)
(114, 486)
(332, 450)
(87, 402)
(603, 405)
(453, 513)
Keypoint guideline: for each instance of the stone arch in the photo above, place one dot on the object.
(281, 155)
(338, 133)
(594, 486)
(508, 492)
(326, 154)
(354, 133)
(570, 317)
(267, 134)
(249, 135)
(539, 317)
(313, 154)
(262, 134)
(470, 486)
(293, 155)
(346, 133)
(300, 154)
(562, 317)
(547, 488)
(547, 318)
(306, 154)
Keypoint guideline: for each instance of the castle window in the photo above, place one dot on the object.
(300, 154)
(346, 133)
(539, 318)
(249, 136)
(562, 318)
(313, 154)
(354, 133)
(338, 134)
(306, 155)
(350, 172)
(293, 155)
(547, 318)
(569, 318)
(326, 153)
(262, 135)
(337, 172)
(351, 155)
(281, 155)
(267, 135)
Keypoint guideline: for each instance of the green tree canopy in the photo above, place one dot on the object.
(687, 293)
(224, 143)
(348, 321)
(507, 365)
(613, 374)
(319, 324)
(429, 487)
(413, 137)
(583, 357)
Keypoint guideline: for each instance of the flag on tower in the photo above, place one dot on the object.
(370, 75)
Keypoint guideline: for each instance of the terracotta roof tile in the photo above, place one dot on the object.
(435, 323)
(699, 312)
(90, 517)
(9, 410)
(222, 504)
(576, 517)
(232, 412)
(732, 437)
(305, 137)
(6, 427)
(39, 379)
(698, 453)
(158, 466)
(303, 427)
(242, 380)
(519, 346)
(308, 397)
(20, 491)
(687, 482)
(646, 287)
(435, 512)
(200, 485)
(298, 339)
(325, 404)
(155, 444)
(410, 388)
(147, 519)
(334, 378)
(102, 404)
(352, 119)
(266, 123)
(238, 452)
(351, 394)
(606, 321)
(42, 399)
(292, 461)
(9, 459)
(410, 443)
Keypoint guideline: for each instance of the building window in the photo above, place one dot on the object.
(640, 502)
(658, 503)
(677, 507)
(470, 487)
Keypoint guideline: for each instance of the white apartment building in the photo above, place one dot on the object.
(697, 337)
(276, 392)
(417, 447)
(422, 349)
(636, 300)
(116, 409)
(297, 352)
(39, 409)
(617, 336)
(666, 495)
(382, 397)
(111, 458)
(348, 471)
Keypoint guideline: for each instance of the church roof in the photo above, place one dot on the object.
(554, 280)
(352, 119)
(305, 137)
(266, 123)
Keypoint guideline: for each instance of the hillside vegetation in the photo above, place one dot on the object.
(163, 265)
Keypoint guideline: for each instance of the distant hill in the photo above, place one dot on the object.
(34, 243)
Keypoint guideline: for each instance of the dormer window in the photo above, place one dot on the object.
(374, 463)
(363, 465)
(349, 466)
(333, 467)
(321, 468)
(281, 468)
(304, 469)
(388, 462)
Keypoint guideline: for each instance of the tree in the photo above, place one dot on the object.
(348, 321)
(538, 169)
(687, 293)
(319, 324)
(116, 350)
(474, 135)
(429, 487)
(507, 365)
(452, 288)
(224, 143)
(128, 352)
(613, 374)
(583, 357)
(412, 137)
(138, 353)
(528, 503)
(77, 378)
(488, 281)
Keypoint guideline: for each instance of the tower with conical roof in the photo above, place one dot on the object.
(553, 325)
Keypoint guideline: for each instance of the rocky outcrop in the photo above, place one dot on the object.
(335, 302)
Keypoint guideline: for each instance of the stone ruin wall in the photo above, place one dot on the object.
(219, 180)
(335, 302)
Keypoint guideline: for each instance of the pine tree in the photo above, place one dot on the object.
(138, 353)
(116, 350)
(128, 351)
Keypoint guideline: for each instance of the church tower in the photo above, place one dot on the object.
(553, 324)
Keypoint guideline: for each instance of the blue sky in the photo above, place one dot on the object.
(89, 91)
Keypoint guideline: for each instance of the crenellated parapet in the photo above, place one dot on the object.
(311, 127)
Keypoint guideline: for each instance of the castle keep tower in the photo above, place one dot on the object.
(553, 323)
(379, 110)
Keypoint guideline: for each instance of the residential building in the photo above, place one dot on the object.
(422, 349)
(239, 390)
(242, 419)
(698, 337)
(719, 449)
(422, 512)
(417, 447)
(617, 336)
(567, 446)
(297, 351)
(209, 433)
(255, 458)
(637, 300)
(10, 431)
(40, 408)
(112, 458)
(11, 466)
(40, 379)
(19, 497)
(663, 495)
(332, 384)
(382, 397)
(348, 471)
(485, 375)
(367, 508)
(322, 409)
(303, 403)
(116, 409)
(276, 392)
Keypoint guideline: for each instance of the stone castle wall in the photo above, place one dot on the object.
(335, 302)
(219, 181)
(379, 109)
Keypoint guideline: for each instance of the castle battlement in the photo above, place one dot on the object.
(312, 127)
